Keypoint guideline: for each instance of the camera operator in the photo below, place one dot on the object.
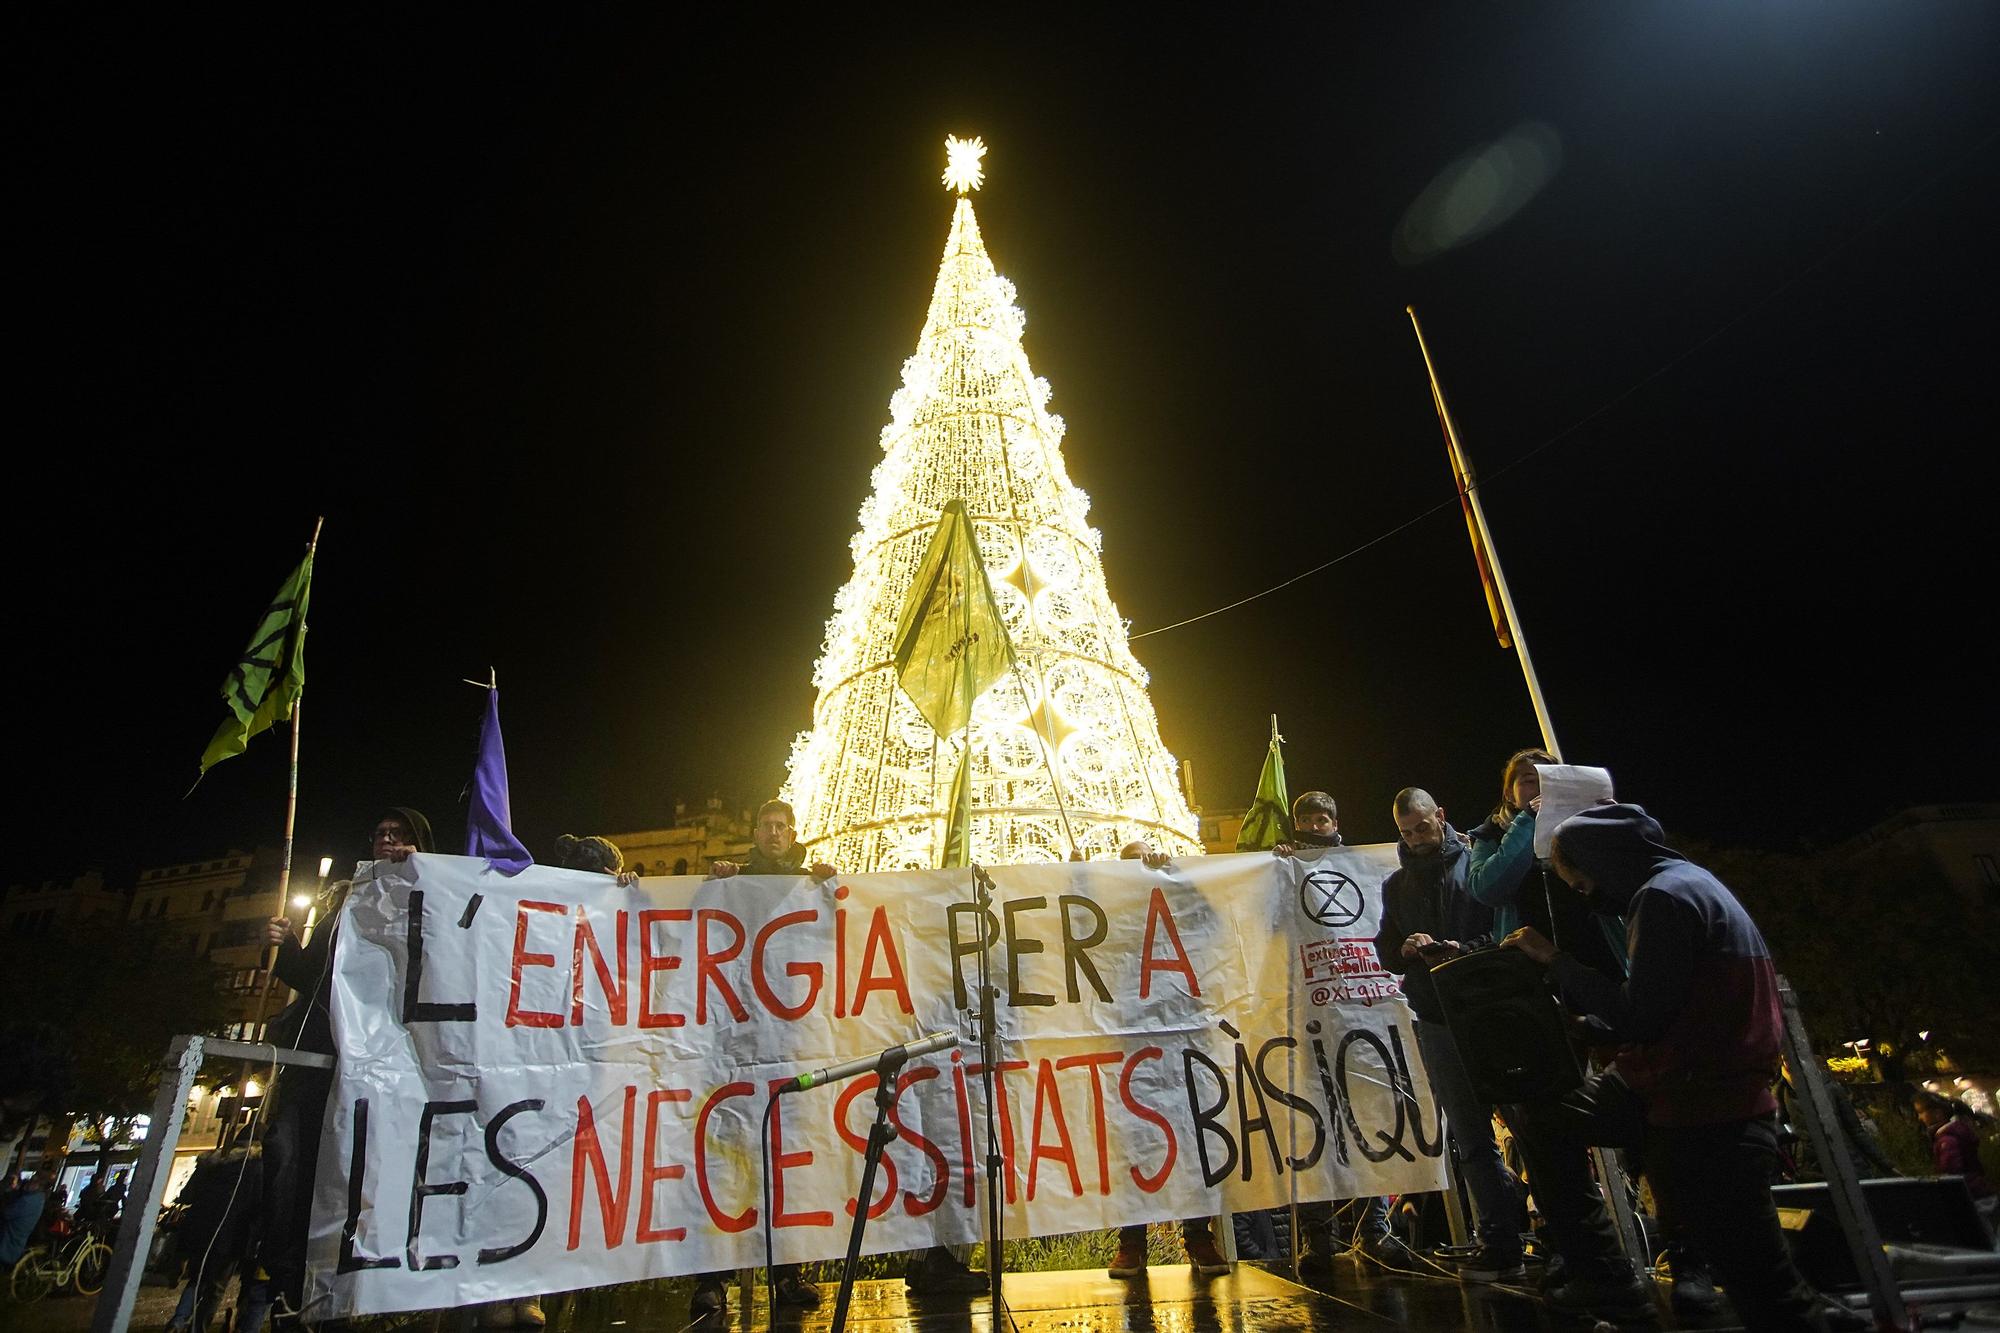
(1697, 1026)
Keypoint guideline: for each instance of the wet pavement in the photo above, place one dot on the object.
(1169, 1299)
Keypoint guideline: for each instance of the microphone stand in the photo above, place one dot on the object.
(880, 1136)
(989, 1054)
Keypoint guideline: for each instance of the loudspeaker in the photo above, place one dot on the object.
(1508, 1027)
(1907, 1212)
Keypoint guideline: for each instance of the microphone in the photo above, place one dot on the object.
(892, 1058)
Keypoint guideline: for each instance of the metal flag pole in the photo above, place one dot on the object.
(1469, 490)
(269, 960)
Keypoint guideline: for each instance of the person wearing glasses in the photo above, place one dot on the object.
(295, 1122)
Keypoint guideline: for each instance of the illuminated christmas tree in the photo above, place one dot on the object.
(1066, 749)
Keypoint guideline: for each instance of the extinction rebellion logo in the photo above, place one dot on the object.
(1330, 898)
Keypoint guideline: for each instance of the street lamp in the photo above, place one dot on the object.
(311, 904)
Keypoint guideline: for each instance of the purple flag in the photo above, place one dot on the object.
(489, 823)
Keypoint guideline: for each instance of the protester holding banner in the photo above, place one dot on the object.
(774, 850)
(1197, 1233)
(292, 1133)
(1315, 824)
(1697, 1028)
(1363, 1222)
(598, 856)
(1427, 918)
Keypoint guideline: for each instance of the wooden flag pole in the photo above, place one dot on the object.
(284, 863)
(1610, 1175)
(1486, 536)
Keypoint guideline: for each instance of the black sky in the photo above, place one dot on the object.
(581, 333)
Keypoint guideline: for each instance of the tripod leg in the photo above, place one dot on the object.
(879, 1137)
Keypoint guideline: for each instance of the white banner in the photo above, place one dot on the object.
(549, 1081)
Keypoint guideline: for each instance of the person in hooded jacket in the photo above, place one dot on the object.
(291, 1138)
(1697, 1026)
(1955, 1146)
(1506, 876)
(218, 1234)
(1428, 918)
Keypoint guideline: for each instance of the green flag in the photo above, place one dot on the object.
(958, 833)
(261, 689)
(951, 644)
(1264, 823)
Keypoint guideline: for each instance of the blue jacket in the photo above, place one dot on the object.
(1504, 877)
(19, 1212)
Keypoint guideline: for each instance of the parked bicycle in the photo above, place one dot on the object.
(78, 1261)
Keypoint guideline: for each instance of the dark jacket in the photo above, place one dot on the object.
(223, 1200)
(1426, 896)
(1698, 1024)
(792, 862)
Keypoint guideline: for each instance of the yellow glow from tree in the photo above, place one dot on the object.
(962, 171)
(870, 781)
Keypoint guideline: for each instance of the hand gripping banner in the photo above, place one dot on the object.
(548, 1081)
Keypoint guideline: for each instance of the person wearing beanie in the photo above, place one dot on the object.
(292, 1135)
(1697, 1027)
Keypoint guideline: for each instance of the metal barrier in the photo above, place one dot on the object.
(149, 1178)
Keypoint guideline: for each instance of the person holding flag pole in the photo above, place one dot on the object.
(265, 687)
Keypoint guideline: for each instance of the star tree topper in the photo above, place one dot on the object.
(962, 171)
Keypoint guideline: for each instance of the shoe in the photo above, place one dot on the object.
(1693, 1292)
(710, 1296)
(1204, 1256)
(1554, 1273)
(1130, 1261)
(797, 1293)
(1491, 1263)
(1315, 1262)
(528, 1313)
(938, 1272)
(1611, 1294)
(1389, 1251)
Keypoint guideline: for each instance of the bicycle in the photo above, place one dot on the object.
(79, 1262)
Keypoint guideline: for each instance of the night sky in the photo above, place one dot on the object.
(581, 335)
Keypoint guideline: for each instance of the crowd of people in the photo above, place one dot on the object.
(1662, 974)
